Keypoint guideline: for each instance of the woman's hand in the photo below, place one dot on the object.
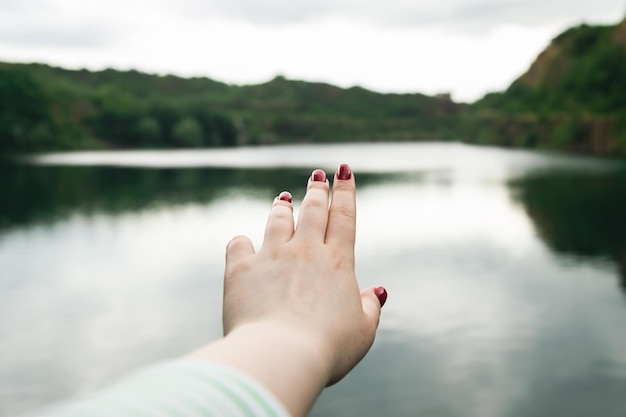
(294, 317)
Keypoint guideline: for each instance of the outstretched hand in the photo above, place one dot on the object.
(294, 317)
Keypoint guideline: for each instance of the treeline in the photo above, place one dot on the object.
(45, 108)
(48, 108)
(25, 115)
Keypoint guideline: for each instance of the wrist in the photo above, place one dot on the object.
(292, 364)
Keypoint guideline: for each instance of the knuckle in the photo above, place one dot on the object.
(281, 204)
(240, 267)
(282, 212)
(301, 253)
(346, 211)
(317, 191)
(320, 185)
(342, 261)
(304, 251)
(314, 203)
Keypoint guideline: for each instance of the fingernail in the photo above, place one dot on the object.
(318, 175)
(344, 172)
(285, 196)
(381, 293)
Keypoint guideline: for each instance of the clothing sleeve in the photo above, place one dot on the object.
(183, 388)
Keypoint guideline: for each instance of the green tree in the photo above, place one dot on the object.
(25, 121)
(226, 130)
(565, 132)
(188, 132)
(115, 118)
(148, 130)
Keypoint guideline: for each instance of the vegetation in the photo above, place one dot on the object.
(25, 120)
(571, 98)
(127, 109)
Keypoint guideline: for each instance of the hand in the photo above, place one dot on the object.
(296, 303)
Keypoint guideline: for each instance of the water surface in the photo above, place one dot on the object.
(506, 272)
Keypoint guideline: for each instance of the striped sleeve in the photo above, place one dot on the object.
(184, 388)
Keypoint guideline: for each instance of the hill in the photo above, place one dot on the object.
(571, 97)
(53, 108)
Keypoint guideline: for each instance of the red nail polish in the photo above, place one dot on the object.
(381, 293)
(285, 196)
(319, 175)
(344, 172)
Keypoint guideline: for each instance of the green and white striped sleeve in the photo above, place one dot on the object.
(184, 388)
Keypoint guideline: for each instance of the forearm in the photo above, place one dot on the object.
(285, 361)
(182, 387)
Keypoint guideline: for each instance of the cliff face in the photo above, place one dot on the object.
(549, 61)
(619, 34)
(582, 69)
(575, 42)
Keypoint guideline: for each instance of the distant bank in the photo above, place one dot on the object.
(572, 98)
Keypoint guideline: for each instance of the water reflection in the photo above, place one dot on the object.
(501, 268)
(579, 215)
(41, 193)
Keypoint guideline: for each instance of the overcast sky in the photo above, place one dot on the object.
(466, 47)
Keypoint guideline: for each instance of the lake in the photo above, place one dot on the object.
(506, 272)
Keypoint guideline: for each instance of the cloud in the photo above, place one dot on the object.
(71, 37)
(41, 23)
(70, 23)
(532, 13)
(455, 15)
(8, 5)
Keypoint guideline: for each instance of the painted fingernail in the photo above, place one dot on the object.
(285, 196)
(318, 175)
(344, 172)
(381, 293)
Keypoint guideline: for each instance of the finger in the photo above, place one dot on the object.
(342, 213)
(239, 247)
(279, 228)
(313, 217)
(373, 299)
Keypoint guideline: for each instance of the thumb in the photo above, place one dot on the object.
(373, 299)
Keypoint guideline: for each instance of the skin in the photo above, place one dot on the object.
(294, 317)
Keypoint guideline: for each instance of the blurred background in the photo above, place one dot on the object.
(487, 140)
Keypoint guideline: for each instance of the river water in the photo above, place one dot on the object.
(506, 272)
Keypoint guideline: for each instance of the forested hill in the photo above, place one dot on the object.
(43, 107)
(573, 97)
